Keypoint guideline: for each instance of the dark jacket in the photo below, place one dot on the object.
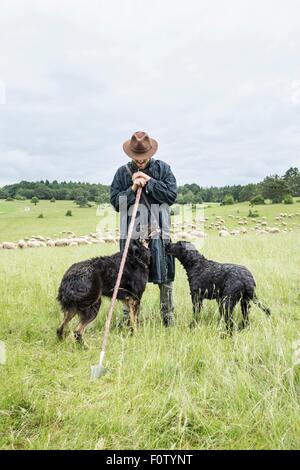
(161, 190)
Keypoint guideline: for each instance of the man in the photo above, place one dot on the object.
(159, 192)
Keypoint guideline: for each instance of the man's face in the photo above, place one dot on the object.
(141, 163)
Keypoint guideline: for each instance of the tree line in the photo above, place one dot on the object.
(276, 188)
(76, 191)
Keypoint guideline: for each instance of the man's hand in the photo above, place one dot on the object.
(138, 182)
(139, 179)
(140, 174)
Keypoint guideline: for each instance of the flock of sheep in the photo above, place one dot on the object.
(70, 239)
(178, 231)
(261, 227)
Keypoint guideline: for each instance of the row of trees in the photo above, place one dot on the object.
(98, 193)
(276, 188)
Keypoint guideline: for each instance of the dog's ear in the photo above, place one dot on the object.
(168, 244)
(145, 242)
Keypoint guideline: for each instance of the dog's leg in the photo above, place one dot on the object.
(125, 320)
(221, 308)
(228, 306)
(245, 306)
(197, 305)
(68, 315)
(132, 305)
(86, 317)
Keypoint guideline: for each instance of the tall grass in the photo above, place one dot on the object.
(165, 388)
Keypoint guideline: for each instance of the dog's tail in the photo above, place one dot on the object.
(261, 305)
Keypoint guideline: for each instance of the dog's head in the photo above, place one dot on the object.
(148, 233)
(180, 248)
(140, 249)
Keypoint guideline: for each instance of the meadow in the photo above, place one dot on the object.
(165, 388)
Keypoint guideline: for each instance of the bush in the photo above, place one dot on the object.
(19, 197)
(35, 200)
(257, 200)
(41, 216)
(53, 199)
(68, 213)
(9, 199)
(81, 201)
(288, 199)
(227, 200)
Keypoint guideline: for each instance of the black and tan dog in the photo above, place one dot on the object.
(227, 283)
(84, 284)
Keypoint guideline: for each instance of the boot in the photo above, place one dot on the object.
(166, 303)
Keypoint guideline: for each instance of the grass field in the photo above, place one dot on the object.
(165, 388)
(16, 222)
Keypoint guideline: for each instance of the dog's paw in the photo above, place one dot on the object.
(78, 337)
(79, 341)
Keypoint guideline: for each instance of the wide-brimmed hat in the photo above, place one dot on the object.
(140, 146)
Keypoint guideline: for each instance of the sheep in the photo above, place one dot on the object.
(184, 235)
(61, 242)
(22, 244)
(33, 244)
(40, 238)
(198, 234)
(9, 246)
(224, 233)
(81, 241)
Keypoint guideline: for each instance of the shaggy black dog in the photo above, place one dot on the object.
(84, 283)
(227, 283)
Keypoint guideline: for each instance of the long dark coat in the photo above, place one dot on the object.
(161, 190)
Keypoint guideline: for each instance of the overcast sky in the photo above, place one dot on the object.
(215, 82)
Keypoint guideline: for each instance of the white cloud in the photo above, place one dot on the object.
(216, 83)
(295, 92)
(2, 92)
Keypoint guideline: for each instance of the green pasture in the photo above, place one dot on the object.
(165, 388)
